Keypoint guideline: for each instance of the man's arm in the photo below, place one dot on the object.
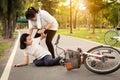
(25, 62)
(49, 25)
(41, 31)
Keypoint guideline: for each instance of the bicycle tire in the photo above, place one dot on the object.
(108, 37)
(109, 66)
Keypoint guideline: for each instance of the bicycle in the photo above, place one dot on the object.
(100, 59)
(111, 37)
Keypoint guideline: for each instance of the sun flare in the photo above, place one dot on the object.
(67, 3)
(82, 6)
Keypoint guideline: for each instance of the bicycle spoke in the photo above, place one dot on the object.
(110, 61)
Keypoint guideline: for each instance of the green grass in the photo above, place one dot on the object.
(6, 45)
(87, 34)
(3, 47)
(15, 34)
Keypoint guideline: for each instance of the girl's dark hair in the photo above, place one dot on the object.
(22, 40)
(30, 13)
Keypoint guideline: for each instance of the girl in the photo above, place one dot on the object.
(46, 24)
(32, 47)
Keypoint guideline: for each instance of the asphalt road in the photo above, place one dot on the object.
(32, 72)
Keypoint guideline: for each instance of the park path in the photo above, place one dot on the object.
(31, 72)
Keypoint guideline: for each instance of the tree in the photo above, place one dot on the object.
(50, 5)
(62, 16)
(3, 16)
(94, 6)
(113, 17)
(8, 15)
(71, 17)
(75, 12)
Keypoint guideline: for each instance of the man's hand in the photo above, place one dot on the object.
(42, 36)
(41, 31)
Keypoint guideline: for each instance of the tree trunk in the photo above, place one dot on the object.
(101, 24)
(93, 24)
(70, 16)
(4, 25)
(75, 19)
(14, 25)
(10, 21)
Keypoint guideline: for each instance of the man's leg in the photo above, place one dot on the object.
(49, 38)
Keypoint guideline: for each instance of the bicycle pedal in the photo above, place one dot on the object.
(79, 49)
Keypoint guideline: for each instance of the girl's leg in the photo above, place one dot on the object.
(49, 61)
(39, 62)
(49, 38)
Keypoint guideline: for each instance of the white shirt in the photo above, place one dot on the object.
(36, 50)
(43, 18)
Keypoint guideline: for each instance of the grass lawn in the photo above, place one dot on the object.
(87, 34)
(4, 47)
(5, 44)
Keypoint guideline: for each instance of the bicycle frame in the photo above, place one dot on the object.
(92, 56)
(97, 59)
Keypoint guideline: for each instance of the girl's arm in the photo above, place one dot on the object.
(30, 31)
(25, 62)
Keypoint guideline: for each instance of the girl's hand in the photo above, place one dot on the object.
(25, 63)
(16, 65)
(20, 65)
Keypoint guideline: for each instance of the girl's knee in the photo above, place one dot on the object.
(48, 64)
(37, 63)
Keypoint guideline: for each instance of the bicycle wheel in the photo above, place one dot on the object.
(109, 37)
(107, 64)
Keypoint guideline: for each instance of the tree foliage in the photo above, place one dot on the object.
(98, 12)
(50, 5)
(94, 7)
(9, 10)
(113, 17)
